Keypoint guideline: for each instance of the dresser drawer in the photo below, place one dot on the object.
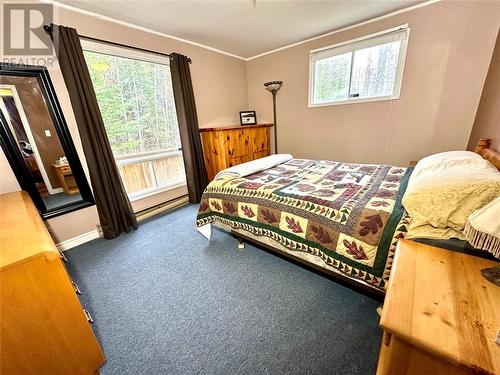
(65, 170)
(261, 154)
(239, 160)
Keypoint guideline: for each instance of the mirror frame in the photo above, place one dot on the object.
(15, 158)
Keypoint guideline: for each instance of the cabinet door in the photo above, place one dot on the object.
(260, 140)
(214, 146)
(238, 143)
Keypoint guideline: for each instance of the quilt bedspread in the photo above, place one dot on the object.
(349, 215)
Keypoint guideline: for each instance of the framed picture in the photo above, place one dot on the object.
(248, 118)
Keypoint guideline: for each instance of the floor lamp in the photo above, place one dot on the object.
(273, 87)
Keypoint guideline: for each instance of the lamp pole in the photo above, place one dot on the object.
(274, 122)
(273, 87)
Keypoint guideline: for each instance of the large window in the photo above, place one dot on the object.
(365, 69)
(134, 92)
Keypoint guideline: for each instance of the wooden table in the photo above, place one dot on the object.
(440, 315)
(64, 174)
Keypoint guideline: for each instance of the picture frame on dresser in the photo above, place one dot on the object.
(248, 118)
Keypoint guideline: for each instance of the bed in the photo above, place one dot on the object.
(343, 219)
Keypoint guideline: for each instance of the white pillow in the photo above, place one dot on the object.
(445, 160)
(446, 188)
(449, 155)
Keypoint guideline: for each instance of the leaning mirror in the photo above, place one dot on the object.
(37, 142)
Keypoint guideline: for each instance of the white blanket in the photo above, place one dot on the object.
(254, 166)
(246, 169)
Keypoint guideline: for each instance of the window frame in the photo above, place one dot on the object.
(399, 69)
(123, 51)
(110, 49)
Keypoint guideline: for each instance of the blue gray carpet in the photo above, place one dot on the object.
(167, 301)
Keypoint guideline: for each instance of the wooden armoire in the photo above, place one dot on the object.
(225, 147)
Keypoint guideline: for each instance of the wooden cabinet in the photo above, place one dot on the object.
(440, 315)
(229, 146)
(43, 328)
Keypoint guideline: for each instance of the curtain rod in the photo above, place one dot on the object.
(48, 30)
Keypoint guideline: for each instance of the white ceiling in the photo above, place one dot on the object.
(242, 27)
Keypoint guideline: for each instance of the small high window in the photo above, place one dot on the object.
(365, 69)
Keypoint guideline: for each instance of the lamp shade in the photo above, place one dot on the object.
(273, 85)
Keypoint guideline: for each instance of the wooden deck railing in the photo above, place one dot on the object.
(147, 172)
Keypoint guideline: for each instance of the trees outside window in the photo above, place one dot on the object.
(362, 70)
(137, 105)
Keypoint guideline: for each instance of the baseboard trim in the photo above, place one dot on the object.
(92, 235)
(78, 240)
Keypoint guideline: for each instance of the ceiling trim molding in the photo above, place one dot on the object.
(137, 27)
(151, 31)
(416, 6)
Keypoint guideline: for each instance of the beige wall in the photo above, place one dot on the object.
(219, 83)
(8, 182)
(449, 51)
(487, 123)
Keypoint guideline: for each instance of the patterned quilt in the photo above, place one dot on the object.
(348, 215)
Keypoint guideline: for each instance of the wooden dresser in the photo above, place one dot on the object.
(440, 315)
(229, 146)
(43, 328)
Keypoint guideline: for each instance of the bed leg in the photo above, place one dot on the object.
(241, 244)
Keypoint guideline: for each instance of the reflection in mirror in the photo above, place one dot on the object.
(46, 161)
(28, 116)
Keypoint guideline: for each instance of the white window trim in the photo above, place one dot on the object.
(119, 51)
(397, 81)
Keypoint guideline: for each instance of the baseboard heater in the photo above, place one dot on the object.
(166, 206)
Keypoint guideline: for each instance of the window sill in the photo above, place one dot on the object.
(355, 101)
(154, 191)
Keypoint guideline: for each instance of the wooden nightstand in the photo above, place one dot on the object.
(66, 178)
(440, 315)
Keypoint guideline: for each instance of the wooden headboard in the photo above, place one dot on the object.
(483, 149)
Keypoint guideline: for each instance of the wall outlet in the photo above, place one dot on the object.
(99, 230)
(47, 133)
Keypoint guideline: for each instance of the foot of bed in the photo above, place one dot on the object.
(241, 244)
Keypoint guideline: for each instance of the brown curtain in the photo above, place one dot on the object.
(192, 150)
(115, 213)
